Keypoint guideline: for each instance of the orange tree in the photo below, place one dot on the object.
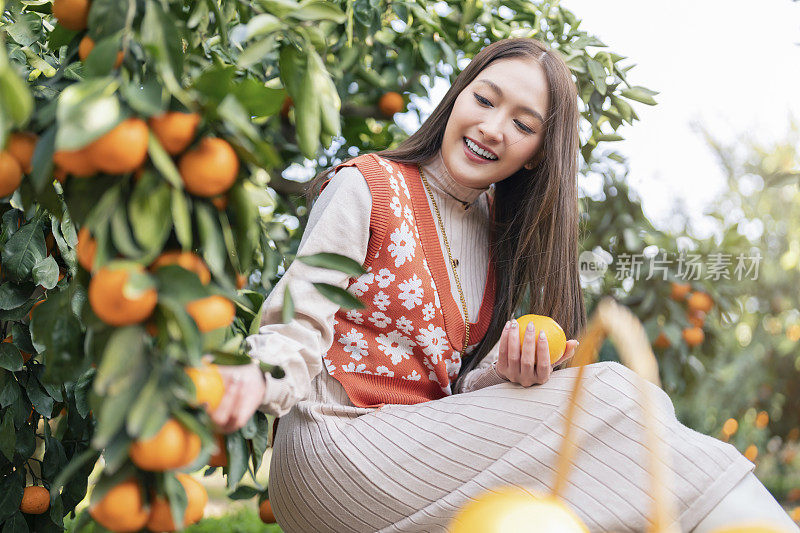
(159, 133)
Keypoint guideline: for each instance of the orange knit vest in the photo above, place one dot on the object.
(405, 346)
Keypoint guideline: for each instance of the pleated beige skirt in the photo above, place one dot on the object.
(410, 468)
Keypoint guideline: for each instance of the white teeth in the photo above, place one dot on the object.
(480, 151)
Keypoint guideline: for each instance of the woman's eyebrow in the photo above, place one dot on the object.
(499, 91)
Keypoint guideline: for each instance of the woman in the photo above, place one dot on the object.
(384, 425)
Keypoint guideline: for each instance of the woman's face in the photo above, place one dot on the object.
(503, 111)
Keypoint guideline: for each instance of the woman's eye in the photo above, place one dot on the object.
(484, 101)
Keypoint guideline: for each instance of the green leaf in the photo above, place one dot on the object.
(57, 333)
(16, 524)
(149, 405)
(243, 492)
(8, 437)
(121, 234)
(161, 38)
(13, 295)
(10, 357)
(16, 101)
(237, 458)
(181, 218)
(147, 98)
(86, 110)
(39, 398)
(598, 74)
(107, 17)
(123, 353)
(318, 10)
(22, 251)
(149, 212)
(163, 162)
(339, 296)
(640, 94)
(211, 239)
(176, 496)
(103, 56)
(333, 261)
(45, 272)
(26, 30)
(9, 389)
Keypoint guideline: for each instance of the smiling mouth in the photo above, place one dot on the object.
(472, 147)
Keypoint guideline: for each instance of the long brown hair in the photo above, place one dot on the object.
(534, 228)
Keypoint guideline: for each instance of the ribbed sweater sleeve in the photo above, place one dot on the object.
(338, 223)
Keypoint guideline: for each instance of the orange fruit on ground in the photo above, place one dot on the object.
(10, 173)
(75, 162)
(697, 318)
(211, 312)
(208, 384)
(72, 14)
(679, 291)
(700, 301)
(220, 458)
(188, 260)
(87, 45)
(693, 336)
(556, 339)
(110, 303)
(160, 518)
(85, 249)
(121, 150)
(166, 450)
(210, 169)
(35, 500)
(391, 103)
(730, 426)
(514, 509)
(661, 341)
(121, 508)
(175, 130)
(265, 512)
(21, 146)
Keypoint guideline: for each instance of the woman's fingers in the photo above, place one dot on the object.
(569, 351)
(543, 367)
(513, 352)
(527, 366)
(501, 367)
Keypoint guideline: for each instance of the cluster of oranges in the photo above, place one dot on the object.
(174, 446)
(114, 306)
(123, 508)
(698, 305)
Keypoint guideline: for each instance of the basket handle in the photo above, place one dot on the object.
(616, 322)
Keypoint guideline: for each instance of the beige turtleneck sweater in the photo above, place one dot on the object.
(339, 223)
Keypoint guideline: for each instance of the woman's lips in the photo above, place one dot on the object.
(472, 155)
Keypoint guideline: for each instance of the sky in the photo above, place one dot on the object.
(732, 65)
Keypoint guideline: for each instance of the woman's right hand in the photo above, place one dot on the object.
(245, 386)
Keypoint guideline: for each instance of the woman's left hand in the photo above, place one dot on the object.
(531, 364)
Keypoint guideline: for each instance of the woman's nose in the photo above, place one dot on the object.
(491, 131)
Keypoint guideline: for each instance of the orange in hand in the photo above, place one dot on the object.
(556, 339)
(208, 384)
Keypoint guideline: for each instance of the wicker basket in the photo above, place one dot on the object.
(614, 321)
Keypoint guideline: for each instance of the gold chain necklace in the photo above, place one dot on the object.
(449, 256)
